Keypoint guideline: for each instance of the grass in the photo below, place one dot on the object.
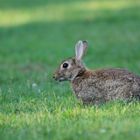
(34, 37)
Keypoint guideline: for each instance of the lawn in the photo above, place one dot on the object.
(34, 37)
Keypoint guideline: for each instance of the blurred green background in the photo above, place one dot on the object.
(35, 35)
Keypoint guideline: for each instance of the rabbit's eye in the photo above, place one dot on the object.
(65, 65)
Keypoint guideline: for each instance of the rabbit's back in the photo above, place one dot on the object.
(105, 85)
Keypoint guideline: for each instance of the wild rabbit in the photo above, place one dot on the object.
(97, 86)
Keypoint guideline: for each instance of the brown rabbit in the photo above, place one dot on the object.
(97, 86)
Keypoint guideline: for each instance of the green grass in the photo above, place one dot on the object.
(34, 37)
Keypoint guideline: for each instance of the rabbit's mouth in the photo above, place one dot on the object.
(60, 79)
(64, 78)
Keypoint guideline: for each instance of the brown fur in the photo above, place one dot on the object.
(98, 86)
(105, 85)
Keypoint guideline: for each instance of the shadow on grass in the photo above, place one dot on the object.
(44, 43)
(27, 4)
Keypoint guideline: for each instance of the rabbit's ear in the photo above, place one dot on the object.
(80, 49)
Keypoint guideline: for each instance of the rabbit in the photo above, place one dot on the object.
(97, 86)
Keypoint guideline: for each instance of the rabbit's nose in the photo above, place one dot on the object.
(54, 77)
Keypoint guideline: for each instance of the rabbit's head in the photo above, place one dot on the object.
(72, 67)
